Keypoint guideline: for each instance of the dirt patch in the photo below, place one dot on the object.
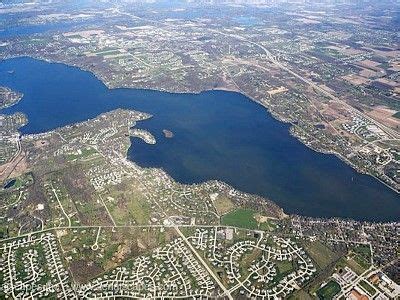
(355, 79)
(14, 168)
(367, 73)
(141, 245)
(41, 144)
(385, 116)
(122, 251)
(61, 233)
(370, 64)
(222, 203)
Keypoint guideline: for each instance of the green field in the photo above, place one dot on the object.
(329, 290)
(243, 218)
(397, 115)
(267, 226)
(285, 266)
(321, 254)
(362, 256)
(367, 287)
(351, 263)
(300, 295)
(86, 152)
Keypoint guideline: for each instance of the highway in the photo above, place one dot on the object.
(390, 132)
(226, 292)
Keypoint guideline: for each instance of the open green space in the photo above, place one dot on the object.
(129, 207)
(300, 295)
(329, 290)
(284, 266)
(362, 256)
(268, 226)
(86, 152)
(243, 218)
(352, 264)
(320, 253)
(367, 287)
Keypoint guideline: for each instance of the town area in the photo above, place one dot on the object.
(329, 73)
(81, 220)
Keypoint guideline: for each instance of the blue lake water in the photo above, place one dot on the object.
(217, 135)
(28, 30)
(23, 30)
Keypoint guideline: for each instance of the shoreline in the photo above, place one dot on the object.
(228, 90)
(221, 88)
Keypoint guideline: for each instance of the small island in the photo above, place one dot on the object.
(168, 134)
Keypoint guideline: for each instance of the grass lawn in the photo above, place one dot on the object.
(300, 295)
(139, 209)
(352, 264)
(284, 266)
(136, 209)
(86, 152)
(265, 224)
(397, 115)
(243, 218)
(248, 259)
(110, 251)
(367, 287)
(362, 256)
(329, 290)
(321, 254)
(363, 250)
(361, 261)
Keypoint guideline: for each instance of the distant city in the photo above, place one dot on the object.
(199, 149)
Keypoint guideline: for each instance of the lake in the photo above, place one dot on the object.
(216, 135)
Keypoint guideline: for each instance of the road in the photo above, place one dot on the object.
(390, 132)
(226, 292)
(62, 208)
(55, 264)
(13, 163)
(108, 212)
